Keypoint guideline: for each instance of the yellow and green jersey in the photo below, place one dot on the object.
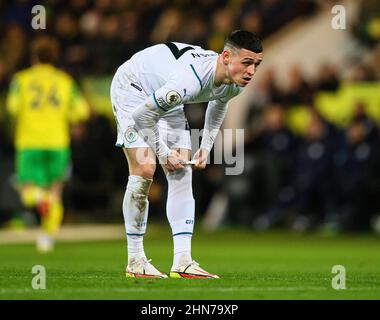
(44, 101)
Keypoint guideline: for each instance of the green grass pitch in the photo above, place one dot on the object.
(275, 265)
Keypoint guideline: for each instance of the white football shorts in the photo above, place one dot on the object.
(126, 96)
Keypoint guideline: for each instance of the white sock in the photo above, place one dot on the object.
(135, 211)
(180, 212)
(182, 250)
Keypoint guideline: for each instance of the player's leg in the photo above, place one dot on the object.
(51, 209)
(135, 203)
(180, 202)
(30, 177)
(51, 220)
(180, 210)
(141, 163)
(30, 194)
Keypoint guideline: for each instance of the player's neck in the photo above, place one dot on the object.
(221, 73)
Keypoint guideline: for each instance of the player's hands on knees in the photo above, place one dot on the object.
(200, 159)
(175, 161)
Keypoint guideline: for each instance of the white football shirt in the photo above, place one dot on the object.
(173, 74)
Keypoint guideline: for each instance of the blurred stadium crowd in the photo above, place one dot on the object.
(324, 172)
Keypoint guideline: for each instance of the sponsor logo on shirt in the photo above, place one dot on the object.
(199, 55)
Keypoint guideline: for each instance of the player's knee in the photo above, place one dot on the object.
(138, 185)
(145, 171)
(31, 195)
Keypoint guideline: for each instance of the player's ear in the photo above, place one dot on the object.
(226, 56)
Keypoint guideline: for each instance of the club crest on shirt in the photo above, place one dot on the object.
(173, 98)
(131, 134)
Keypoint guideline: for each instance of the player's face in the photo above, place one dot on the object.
(242, 66)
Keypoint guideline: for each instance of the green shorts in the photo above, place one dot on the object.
(42, 167)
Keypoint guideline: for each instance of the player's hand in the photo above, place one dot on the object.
(200, 159)
(174, 161)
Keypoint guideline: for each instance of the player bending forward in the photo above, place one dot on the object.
(148, 93)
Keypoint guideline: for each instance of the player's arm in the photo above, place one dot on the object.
(13, 101)
(161, 101)
(146, 117)
(215, 114)
(79, 108)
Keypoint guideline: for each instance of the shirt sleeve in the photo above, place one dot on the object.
(80, 109)
(215, 114)
(146, 117)
(13, 101)
(183, 85)
(177, 91)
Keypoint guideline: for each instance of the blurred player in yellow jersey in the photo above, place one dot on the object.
(44, 101)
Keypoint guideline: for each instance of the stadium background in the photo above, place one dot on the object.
(312, 161)
(311, 116)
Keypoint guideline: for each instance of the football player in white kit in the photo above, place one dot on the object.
(148, 93)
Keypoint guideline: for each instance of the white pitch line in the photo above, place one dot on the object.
(234, 289)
